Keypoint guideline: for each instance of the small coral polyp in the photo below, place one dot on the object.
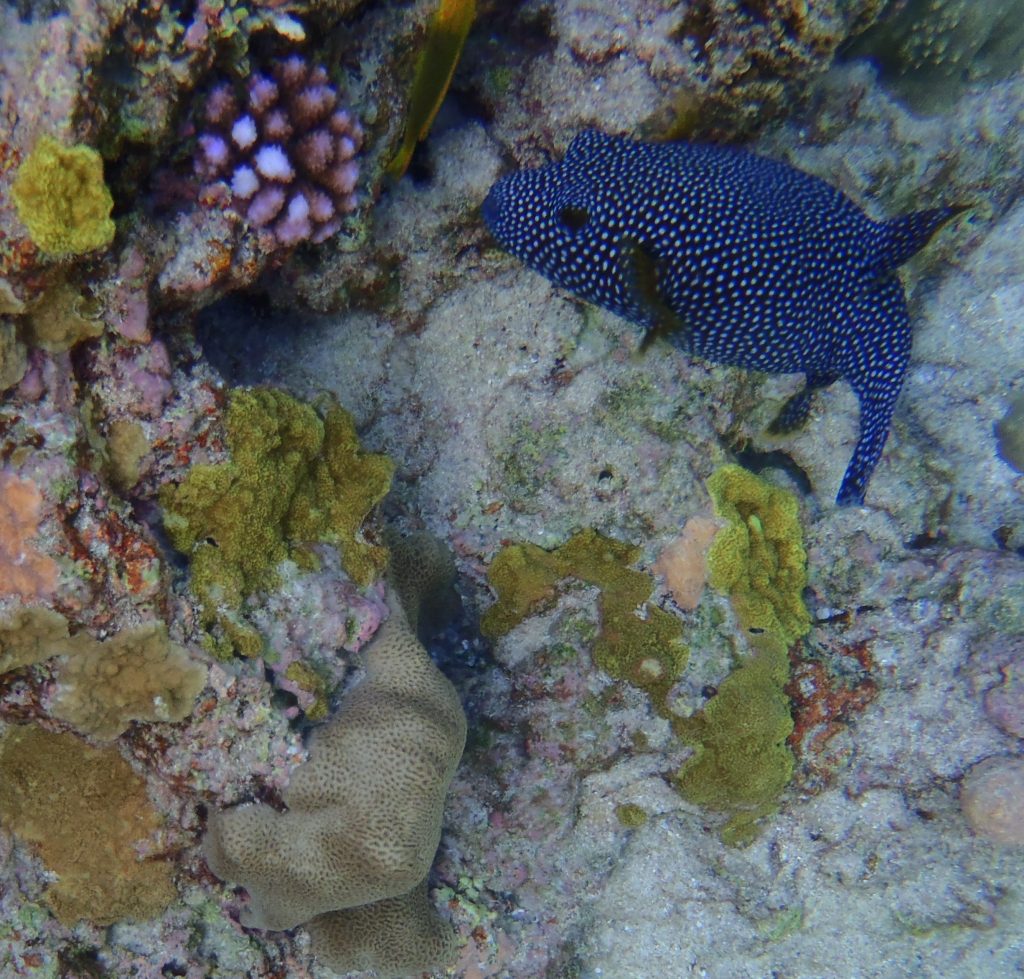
(284, 152)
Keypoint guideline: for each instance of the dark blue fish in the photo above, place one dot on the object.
(741, 259)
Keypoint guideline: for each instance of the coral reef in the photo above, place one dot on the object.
(513, 414)
(364, 815)
(61, 197)
(86, 810)
(284, 152)
(292, 480)
(758, 559)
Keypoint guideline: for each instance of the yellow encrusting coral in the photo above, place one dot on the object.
(62, 199)
(86, 810)
(638, 642)
(759, 560)
(742, 761)
(293, 480)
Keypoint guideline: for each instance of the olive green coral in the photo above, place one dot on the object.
(61, 197)
(86, 811)
(742, 761)
(759, 560)
(638, 642)
(294, 479)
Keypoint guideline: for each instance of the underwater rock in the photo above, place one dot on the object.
(1010, 435)
(992, 799)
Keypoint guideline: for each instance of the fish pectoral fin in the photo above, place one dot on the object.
(641, 275)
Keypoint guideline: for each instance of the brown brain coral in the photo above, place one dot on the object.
(364, 813)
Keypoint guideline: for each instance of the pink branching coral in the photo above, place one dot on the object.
(285, 152)
(24, 571)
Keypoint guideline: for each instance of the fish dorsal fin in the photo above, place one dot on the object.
(903, 237)
(641, 277)
(585, 143)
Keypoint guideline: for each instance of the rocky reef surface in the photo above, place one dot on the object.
(797, 752)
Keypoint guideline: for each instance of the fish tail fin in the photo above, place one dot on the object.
(903, 237)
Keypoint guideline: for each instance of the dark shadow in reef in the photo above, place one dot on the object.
(248, 341)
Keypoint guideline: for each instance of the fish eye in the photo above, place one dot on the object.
(574, 218)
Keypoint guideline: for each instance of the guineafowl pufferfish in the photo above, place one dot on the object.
(740, 259)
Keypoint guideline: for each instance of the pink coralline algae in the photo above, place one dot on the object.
(284, 154)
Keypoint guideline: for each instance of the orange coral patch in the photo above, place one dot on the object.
(684, 561)
(24, 571)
